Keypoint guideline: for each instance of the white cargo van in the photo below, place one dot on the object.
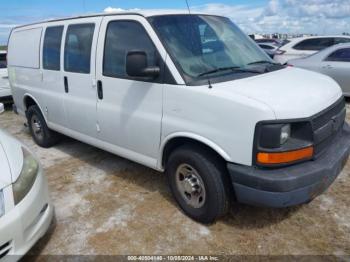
(188, 94)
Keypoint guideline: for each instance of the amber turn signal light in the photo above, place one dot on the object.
(285, 157)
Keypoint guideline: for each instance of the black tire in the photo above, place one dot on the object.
(43, 137)
(213, 174)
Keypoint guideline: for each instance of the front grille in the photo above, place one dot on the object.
(327, 126)
(324, 117)
(5, 249)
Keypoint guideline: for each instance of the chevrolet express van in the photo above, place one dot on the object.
(188, 94)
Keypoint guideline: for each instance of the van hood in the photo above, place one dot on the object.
(11, 159)
(290, 93)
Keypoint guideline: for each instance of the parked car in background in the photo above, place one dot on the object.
(153, 87)
(333, 61)
(270, 49)
(272, 41)
(5, 90)
(284, 42)
(305, 46)
(26, 211)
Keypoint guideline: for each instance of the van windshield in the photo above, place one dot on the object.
(204, 46)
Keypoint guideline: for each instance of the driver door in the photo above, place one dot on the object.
(129, 109)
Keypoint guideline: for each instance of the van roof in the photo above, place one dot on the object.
(140, 12)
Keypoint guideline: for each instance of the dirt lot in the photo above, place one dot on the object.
(109, 205)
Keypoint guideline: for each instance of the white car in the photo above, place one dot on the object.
(25, 207)
(270, 49)
(305, 46)
(5, 90)
(333, 61)
(190, 95)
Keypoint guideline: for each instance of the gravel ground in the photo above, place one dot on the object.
(108, 205)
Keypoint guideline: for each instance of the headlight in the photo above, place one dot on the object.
(2, 204)
(27, 177)
(281, 143)
(285, 134)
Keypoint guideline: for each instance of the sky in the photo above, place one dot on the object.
(253, 16)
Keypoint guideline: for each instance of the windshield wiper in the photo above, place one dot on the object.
(218, 70)
(232, 68)
(263, 62)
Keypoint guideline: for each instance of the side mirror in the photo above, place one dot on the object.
(2, 108)
(136, 65)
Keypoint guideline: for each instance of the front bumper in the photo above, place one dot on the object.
(291, 185)
(27, 222)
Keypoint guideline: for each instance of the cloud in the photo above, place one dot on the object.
(288, 16)
(311, 16)
(321, 8)
(114, 10)
(272, 8)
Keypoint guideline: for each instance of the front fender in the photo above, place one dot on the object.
(195, 137)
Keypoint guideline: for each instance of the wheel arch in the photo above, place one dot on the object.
(173, 141)
(28, 101)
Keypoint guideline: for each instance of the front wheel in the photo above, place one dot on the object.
(199, 183)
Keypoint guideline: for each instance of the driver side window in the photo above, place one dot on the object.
(121, 38)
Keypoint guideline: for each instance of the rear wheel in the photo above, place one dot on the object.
(199, 183)
(41, 134)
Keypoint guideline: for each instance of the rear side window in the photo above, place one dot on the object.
(340, 40)
(77, 51)
(122, 37)
(52, 48)
(341, 55)
(315, 44)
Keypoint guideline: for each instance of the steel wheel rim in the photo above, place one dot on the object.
(190, 185)
(37, 127)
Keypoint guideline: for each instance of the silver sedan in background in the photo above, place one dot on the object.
(333, 61)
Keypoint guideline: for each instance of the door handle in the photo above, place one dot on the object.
(99, 90)
(66, 88)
